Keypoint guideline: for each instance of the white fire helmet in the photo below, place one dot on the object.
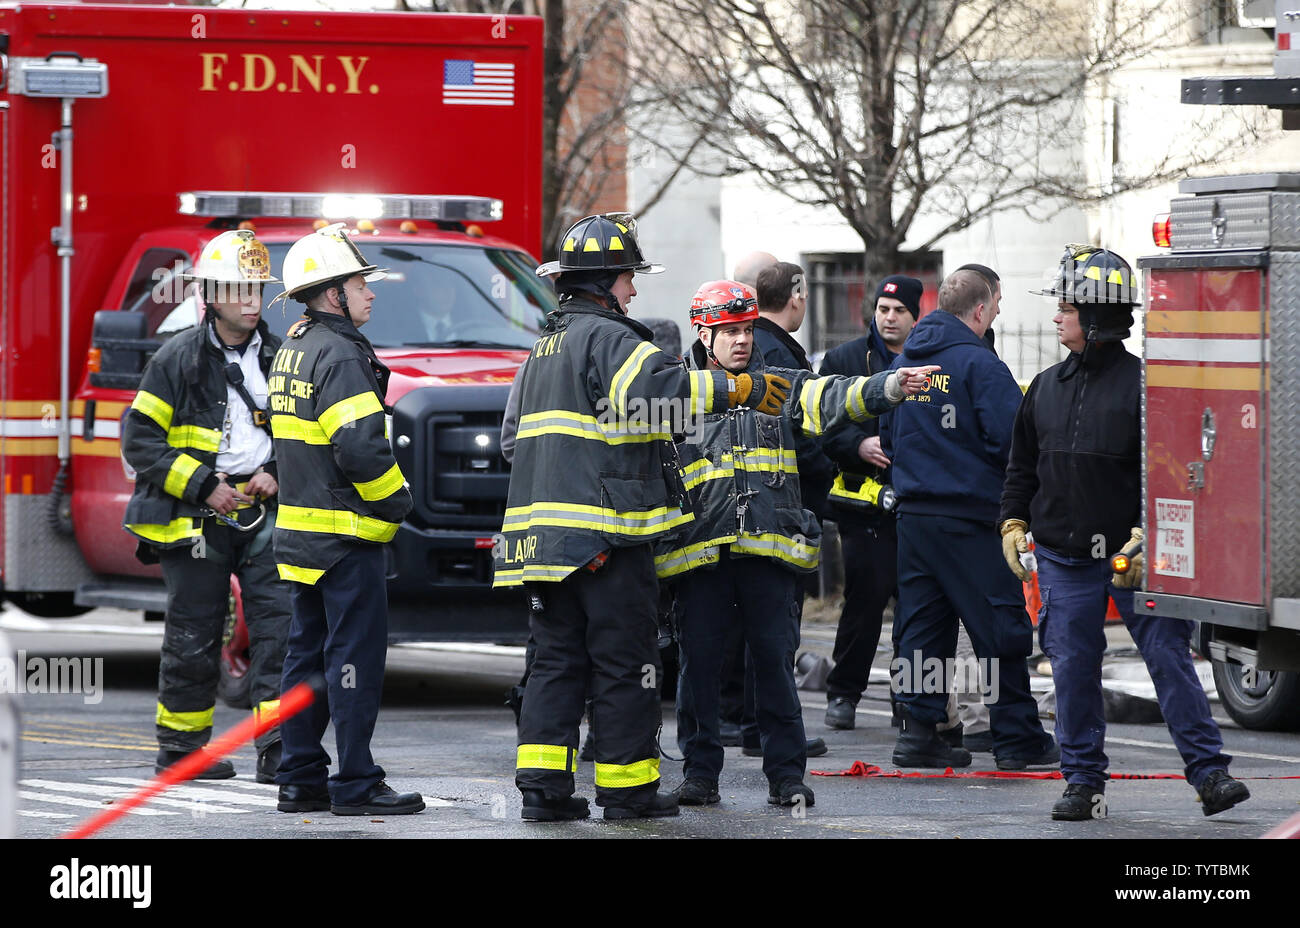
(234, 257)
(325, 255)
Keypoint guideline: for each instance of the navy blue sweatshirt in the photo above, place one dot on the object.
(949, 445)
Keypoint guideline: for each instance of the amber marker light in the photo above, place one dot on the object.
(1161, 230)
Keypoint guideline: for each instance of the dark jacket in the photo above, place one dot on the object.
(171, 434)
(780, 350)
(593, 466)
(868, 354)
(340, 485)
(949, 445)
(1075, 468)
(739, 467)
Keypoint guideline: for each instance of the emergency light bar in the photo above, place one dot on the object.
(231, 204)
(59, 76)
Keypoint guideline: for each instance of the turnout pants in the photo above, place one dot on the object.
(198, 598)
(597, 631)
(949, 568)
(340, 632)
(761, 598)
(1071, 628)
(870, 581)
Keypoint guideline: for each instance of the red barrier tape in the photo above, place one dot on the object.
(291, 703)
(861, 769)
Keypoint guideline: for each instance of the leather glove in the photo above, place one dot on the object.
(1014, 544)
(1133, 576)
(763, 392)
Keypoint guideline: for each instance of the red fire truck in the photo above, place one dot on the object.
(130, 136)
(1221, 413)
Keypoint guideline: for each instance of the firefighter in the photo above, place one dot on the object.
(1074, 477)
(344, 498)
(205, 497)
(737, 564)
(588, 497)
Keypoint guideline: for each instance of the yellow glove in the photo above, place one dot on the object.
(1014, 544)
(764, 392)
(1131, 552)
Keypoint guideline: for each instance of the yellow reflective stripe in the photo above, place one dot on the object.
(334, 522)
(688, 558)
(596, 518)
(153, 407)
(193, 436)
(704, 475)
(857, 404)
(799, 553)
(291, 428)
(810, 398)
(627, 373)
(306, 575)
(266, 705)
(349, 410)
(381, 487)
(701, 392)
(179, 474)
(533, 573)
(184, 721)
(563, 422)
(616, 776)
(765, 459)
(546, 757)
(174, 530)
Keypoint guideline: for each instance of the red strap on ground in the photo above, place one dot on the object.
(862, 769)
(291, 703)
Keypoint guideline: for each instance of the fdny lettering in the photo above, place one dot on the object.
(940, 382)
(548, 345)
(525, 548)
(287, 361)
(259, 73)
(301, 388)
(275, 384)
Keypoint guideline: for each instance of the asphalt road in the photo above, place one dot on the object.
(444, 731)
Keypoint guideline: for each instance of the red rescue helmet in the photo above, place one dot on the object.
(722, 302)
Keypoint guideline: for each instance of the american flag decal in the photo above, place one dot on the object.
(478, 83)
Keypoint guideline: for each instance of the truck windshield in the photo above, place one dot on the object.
(448, 296)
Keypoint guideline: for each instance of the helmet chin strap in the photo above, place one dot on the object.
(343, 302)
(708, 350)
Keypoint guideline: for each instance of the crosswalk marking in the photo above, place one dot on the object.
(203, 794)
(117, 793)
(33, 796)
(34, 813)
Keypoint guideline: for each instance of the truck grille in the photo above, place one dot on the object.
(467, 479)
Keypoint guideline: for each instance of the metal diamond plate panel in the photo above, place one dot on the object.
(1285, 232)
(1208, 222)
(1284, 423)
(36, 557)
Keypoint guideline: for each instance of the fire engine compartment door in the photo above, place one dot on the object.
(1205, 412)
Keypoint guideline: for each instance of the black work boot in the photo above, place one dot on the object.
(1079, 803)
(790, 792)
(1221, 792)
(919, 745)
(697, 791)
(953, 736)
(538, 808)
(841, 713)
(221, 770)
(1048, 757)
(268, 762)
(660, 805)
